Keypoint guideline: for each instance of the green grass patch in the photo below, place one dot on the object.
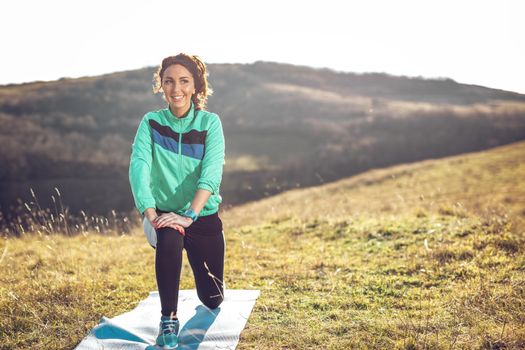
(411, 283)
(420, 256)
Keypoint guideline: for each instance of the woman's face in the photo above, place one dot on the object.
(178, 87)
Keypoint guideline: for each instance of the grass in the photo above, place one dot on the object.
(435, 282)
(31, 218)
(483, 183)
(55, 288)
(376, 273)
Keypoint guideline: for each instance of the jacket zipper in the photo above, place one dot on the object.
(179, 121)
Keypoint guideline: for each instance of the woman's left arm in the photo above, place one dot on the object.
(211, 168)
(213, 161)
(200, 199)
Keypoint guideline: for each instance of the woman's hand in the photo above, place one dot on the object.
(170, 219)
(151, 215)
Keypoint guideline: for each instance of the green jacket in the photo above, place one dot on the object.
(173, 157)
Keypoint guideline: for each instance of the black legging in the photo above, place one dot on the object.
(204, 243)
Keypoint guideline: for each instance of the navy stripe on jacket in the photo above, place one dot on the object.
(193, 141)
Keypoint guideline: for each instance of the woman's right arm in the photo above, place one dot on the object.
(140, 170)
(151, 215)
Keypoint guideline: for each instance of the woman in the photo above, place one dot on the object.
(175, 174)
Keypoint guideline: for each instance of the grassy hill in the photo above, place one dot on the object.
(419, 256)
(285, 126)
(481, 183)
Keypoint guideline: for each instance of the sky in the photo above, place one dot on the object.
(474, 42)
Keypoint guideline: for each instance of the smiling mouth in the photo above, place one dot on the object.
(177, 98)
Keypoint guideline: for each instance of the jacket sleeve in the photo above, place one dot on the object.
(140, 167)
(213, 161)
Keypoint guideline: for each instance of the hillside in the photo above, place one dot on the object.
(286, 126)
(395, 264)
(481, 183)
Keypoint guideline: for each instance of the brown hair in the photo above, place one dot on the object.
(197, 69)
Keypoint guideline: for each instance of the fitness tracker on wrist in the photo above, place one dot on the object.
(191, 214)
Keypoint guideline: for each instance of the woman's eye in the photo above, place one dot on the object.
(166, 82)
(184, 81)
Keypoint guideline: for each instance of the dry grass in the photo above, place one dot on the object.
(384, 260)
(440, 282)
(482, 183)
(31, 218)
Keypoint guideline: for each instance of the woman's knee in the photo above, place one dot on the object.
(212, 302)
(169, 239)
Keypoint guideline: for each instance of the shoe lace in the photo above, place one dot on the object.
(169, 326)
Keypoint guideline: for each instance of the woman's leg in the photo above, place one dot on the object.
(168, 262)
(204, 243)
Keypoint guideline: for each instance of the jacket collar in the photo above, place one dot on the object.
(185, 120)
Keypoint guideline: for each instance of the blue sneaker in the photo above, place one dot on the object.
(168, 331)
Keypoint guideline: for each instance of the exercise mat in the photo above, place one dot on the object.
(200, 327)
